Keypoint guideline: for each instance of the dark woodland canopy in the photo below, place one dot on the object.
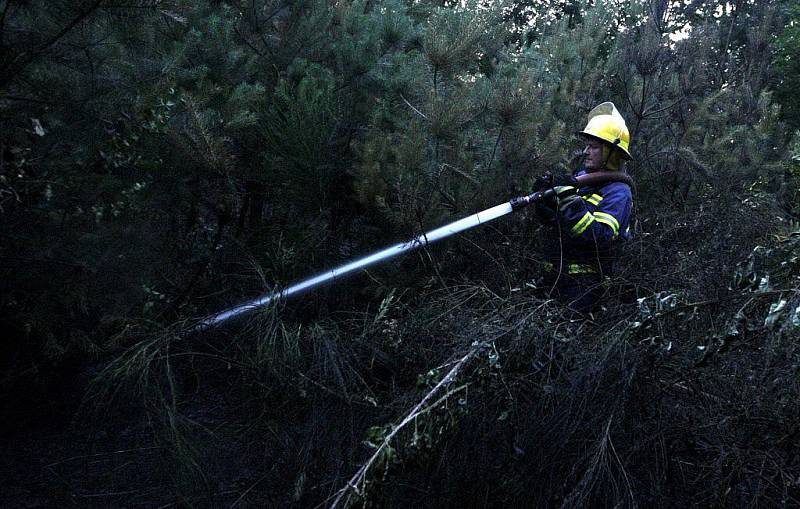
(161, 160)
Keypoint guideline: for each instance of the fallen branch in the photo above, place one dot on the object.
(420, 408)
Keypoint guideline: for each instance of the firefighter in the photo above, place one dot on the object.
(586, 223)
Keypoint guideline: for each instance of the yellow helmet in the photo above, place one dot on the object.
(606, 124)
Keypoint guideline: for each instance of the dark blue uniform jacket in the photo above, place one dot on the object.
(589, 224)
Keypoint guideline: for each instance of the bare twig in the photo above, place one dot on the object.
(413, 108)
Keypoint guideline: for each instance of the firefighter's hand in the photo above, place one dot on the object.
(564, 191)
(548, 180)
(558, 196)
(543, 181)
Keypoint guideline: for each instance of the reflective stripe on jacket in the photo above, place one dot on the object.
(599, 215)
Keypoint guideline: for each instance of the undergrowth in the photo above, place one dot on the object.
(465, 397)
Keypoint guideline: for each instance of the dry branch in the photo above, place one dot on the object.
(359, 477)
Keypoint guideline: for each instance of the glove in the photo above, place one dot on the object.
(549, 206)
(561, 194)
(547, 180)
(543, 181)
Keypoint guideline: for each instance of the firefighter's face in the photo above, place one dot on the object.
(593, 156)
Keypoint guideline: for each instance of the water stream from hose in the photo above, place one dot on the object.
(360, 264)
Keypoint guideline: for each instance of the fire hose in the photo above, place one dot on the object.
(595, 179)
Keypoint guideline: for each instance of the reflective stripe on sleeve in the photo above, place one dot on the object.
(584, 223)
(594, 199)
(609, 220)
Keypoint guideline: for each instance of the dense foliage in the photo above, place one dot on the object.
(163, 159)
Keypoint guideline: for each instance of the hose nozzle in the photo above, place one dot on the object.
(523, 201)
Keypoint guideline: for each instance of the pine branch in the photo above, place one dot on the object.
(9, 75)
(247, 42)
